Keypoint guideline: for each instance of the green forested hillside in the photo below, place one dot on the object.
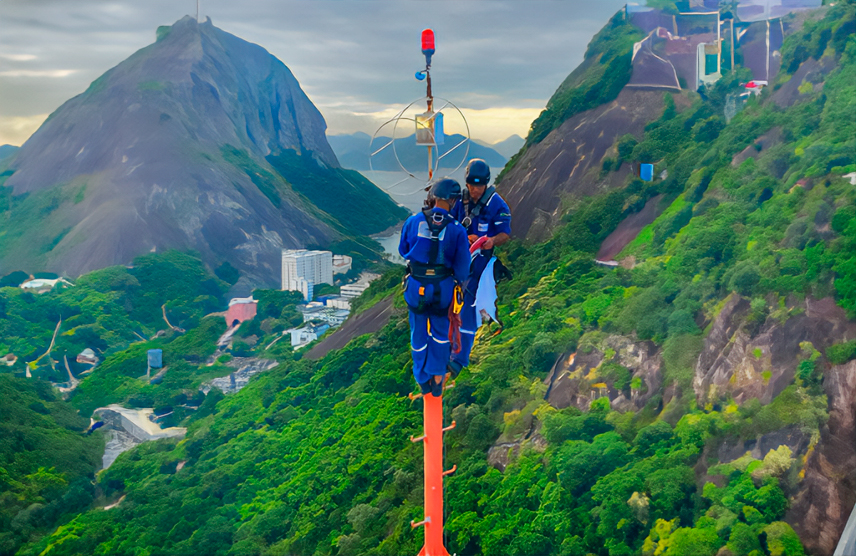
(46, 463)
(314, 457)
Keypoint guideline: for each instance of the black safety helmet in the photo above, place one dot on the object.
(446, 189)
(478, 172)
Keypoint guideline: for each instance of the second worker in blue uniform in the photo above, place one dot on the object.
(437, 250)
(484, 214)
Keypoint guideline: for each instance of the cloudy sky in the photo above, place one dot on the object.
(498, 60)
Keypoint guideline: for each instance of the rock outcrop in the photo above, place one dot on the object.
(827, 495)
(575, 381)
(736, 363)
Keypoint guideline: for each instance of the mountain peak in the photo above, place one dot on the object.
(168, 150)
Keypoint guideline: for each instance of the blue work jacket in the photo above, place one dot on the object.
(495, 217)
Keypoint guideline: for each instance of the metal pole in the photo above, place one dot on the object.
(847, 542)
(430, 96)
(732, 43)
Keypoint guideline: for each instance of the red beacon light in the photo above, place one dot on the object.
(428, 40)
(428, 45)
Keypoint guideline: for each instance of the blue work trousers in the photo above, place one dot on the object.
(469, 326)
(470, 321)
(430, 348)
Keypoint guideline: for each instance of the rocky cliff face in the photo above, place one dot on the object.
(741, 360)
(827, 495)
(743, 365)
(166, 150)
(568, 161)
(569, 382)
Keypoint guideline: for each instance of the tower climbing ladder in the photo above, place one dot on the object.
(432, 441)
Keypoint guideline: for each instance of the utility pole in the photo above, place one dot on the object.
(732, 43)
(432, 419)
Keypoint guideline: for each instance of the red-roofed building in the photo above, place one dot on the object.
(240, 310)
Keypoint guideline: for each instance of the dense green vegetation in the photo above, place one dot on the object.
(330, 438)
(313, 457)
(118, 313)
(46, 463)
(105, 311)
(342, 198)
(350, 198)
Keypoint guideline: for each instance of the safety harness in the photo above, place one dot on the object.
(477, 207)
(434, 270)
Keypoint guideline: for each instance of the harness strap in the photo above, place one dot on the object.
(483, 200)
(437, 222)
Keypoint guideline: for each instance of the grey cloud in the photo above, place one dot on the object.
(510, 53)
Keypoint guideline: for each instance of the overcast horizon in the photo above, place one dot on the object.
(498, 60)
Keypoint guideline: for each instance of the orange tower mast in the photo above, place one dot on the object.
(432, 440)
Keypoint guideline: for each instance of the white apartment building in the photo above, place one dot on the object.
(339, 302)
(350, 291)
(302, 270)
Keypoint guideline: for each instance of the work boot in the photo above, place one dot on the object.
(425, 387)
(436, 388)
(454, 369)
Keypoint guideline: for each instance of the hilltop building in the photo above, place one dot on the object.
(338, 302)
(302, 270)
(317, 311)
(684, 49)
(349, 291)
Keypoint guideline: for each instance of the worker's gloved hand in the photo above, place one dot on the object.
(488, 244)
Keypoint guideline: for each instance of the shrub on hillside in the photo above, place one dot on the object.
(839, 354)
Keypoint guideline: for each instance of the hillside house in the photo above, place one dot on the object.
(87, 357)
(43, 285)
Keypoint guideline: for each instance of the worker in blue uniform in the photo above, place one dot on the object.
(483, 213)
(437, 251)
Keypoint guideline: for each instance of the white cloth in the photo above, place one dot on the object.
(486, 295)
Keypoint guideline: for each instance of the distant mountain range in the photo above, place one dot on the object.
(507, 147)
(353, 152)
(200, 141)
